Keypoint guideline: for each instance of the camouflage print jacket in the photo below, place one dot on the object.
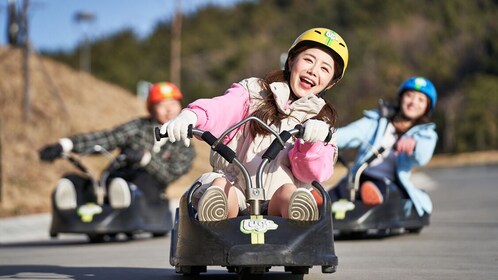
(168, 161)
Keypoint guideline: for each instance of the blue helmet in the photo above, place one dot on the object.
(422, 85)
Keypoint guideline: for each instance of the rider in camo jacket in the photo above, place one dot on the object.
(151, 165)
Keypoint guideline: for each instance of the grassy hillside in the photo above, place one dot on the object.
(82, 103)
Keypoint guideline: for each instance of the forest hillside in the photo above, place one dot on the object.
(453, 43)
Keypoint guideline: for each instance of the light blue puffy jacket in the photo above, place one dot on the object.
(369, 130)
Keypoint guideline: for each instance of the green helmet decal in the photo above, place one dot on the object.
(330, 35)
(420, 83)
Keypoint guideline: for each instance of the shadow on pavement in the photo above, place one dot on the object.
(122, 273)
(79, 273)
(75, 241)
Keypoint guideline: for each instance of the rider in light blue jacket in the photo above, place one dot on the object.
(407, 136)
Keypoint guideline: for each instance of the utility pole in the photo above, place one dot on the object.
(176, 45)
(13, 23)
(1, 162)
(26, 45)
(85, 55)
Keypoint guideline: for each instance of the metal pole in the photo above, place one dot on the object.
(176, 34)
(13, 27)
(26, 58)
(85, 59)
(1, 163)
(85, 54)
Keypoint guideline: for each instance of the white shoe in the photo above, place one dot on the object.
(65, 195)
(119, 193)
(213, 205)
(302, 206)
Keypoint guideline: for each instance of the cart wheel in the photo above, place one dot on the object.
(245, 274)
(159, 234)
(354, 234)
(415, 230)
(190, 270)
(397, 231)
(112, 236)
(298, 269)
(256, 273)
(96, 238)
(329, 268)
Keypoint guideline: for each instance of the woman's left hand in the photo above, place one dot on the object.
(406, 145)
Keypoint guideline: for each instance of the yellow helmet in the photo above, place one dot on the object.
(329, 39)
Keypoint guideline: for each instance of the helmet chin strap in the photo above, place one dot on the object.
(322, 93)
(331, 85)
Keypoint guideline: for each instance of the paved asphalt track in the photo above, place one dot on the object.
(460, 243)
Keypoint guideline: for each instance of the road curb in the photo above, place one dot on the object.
(24, 228)
(35, 227)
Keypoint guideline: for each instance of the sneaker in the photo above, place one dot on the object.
(213, 205)
(65, 195)
(119, 193)
(370, 194)
(302, 206)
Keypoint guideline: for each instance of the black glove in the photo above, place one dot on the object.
(50, 152)
(132, 156)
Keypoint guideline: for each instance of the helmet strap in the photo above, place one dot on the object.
(331, 85)
(322, 93)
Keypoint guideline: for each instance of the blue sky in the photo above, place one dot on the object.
(52, 24)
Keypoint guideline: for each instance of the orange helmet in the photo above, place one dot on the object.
(162, 91)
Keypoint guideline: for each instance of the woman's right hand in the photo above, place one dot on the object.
(177, 128)
(406, 145)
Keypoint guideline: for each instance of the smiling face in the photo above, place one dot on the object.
(165, 110)
(414, 104)
(310, 72)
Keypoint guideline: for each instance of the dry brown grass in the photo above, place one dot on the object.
(86, 104)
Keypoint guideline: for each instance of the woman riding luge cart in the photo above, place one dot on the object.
(210, 213)
(385, 198)
(316, 62)
(129, 196)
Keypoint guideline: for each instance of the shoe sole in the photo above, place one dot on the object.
(302, 206)
(371, 195)
(119, 194)
(213, 205)
(65, 195)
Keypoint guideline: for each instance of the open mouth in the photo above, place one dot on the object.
(307, 83)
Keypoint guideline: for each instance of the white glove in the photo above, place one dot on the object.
(177, 128)
(315, 131)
